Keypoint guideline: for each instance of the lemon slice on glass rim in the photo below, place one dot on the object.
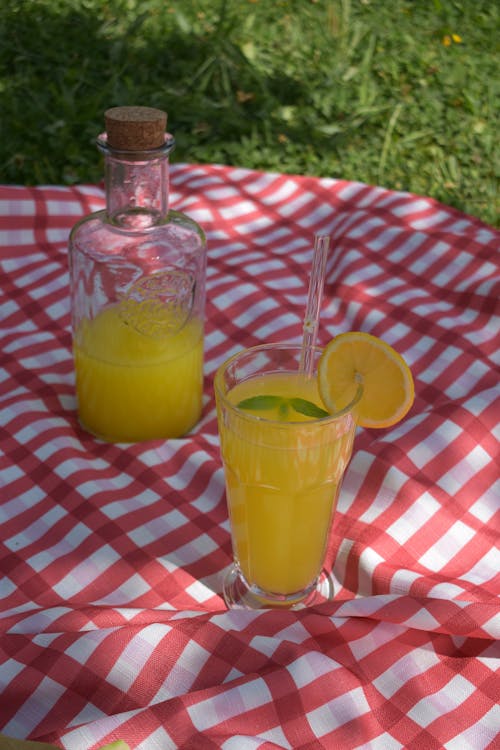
(357, 358)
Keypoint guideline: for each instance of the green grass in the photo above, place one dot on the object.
(357, 89)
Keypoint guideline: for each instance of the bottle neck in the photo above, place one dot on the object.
(137, 186)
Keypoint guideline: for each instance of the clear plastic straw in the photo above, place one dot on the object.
(314, 297)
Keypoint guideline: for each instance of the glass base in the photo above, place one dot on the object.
(239, 595)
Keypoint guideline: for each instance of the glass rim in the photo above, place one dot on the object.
(254, 417)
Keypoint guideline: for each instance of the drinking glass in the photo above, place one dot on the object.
(283, 469)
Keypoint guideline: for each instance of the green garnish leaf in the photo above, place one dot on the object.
(268, 402)
(283, 410)
(302, 406)
(260, 403)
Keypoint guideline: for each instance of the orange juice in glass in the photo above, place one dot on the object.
(284, 458)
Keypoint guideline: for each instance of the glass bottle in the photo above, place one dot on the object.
(137, 278)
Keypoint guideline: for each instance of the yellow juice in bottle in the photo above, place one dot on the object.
(132, 386)
(283, 470)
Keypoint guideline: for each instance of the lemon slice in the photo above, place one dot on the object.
(356, 358)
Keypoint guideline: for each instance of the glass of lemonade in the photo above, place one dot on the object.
(284, 458)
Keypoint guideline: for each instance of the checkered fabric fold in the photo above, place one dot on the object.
(112, 623)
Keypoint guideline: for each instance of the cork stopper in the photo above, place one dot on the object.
(135, 128)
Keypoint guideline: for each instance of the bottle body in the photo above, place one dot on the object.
(137, 274)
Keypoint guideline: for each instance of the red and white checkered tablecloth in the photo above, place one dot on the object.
(111, 556)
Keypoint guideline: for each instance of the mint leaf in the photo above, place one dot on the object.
(283, 410)
(302, 406)
(260, 403)
(268, 402)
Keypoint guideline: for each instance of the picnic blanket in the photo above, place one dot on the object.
(112, 624)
